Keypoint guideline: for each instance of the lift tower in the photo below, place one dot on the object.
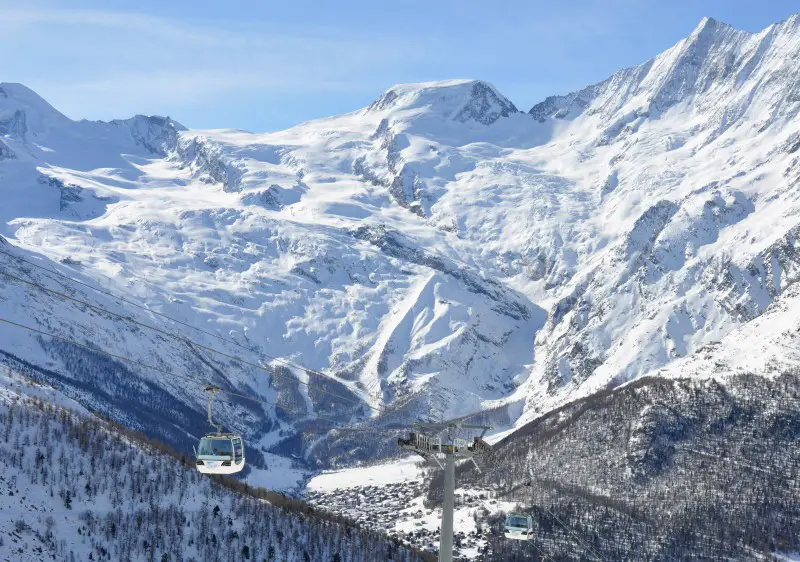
(444, 448)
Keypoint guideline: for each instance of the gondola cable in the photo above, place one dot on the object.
(573, 533)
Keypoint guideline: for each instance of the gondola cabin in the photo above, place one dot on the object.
(220, 453)
(519, 527)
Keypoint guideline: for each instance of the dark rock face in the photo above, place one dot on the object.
(6, 153)
(15, 125)
(402, 183)
(69, 193)
(207, 160)
(743, 290)
(383, 102)
(485, 106)
(274, 197)
(641, 238)
(159, 135)
(562, 107)
(394, 244)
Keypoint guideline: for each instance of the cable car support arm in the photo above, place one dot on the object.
(212, 390)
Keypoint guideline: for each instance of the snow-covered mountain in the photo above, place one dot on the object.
(438, 252)
(695, 204)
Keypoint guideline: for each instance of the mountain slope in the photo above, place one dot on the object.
(695, 171)
(250, 265)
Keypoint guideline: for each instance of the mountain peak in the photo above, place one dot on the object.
(19, 91)
(23, 110)
(15, 94)
(458, 100)
(709, 28)
(701, 60)
(706, 24)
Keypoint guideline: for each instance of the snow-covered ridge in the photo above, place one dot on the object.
(457, 100)
(716, 61)
(22, 110)
(25, 116)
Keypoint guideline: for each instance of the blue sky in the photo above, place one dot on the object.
(264, 65)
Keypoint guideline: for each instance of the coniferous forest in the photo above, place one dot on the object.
(657, 470)
(76, 488)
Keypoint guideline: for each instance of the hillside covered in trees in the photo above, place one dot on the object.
(76, 488)
(657, 470)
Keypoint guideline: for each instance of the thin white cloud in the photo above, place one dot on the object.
(120, 20)
(91, 63)
(254, 37)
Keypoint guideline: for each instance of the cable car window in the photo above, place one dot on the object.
(517, 522)
(237, 450)
(216, 447)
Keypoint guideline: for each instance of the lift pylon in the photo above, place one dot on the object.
(444, 448)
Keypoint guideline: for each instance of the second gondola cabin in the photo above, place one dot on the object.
(519, 527)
